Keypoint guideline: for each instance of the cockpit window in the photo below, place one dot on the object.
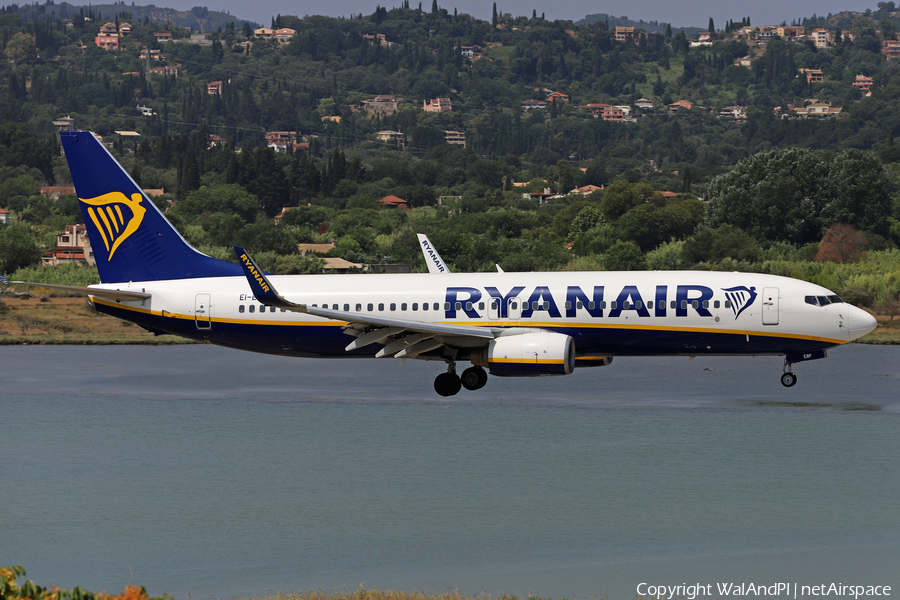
(823, 300)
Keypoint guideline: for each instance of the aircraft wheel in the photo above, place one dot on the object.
(447, 384)
(788, 379)
(474, 378)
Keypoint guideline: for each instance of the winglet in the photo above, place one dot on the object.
(434, 261)
(263, 291)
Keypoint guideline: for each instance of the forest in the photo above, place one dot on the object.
(757, 189)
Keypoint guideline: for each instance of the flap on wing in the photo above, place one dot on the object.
(266, 294)
(89, 291)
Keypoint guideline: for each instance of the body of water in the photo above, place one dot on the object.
(208, 472)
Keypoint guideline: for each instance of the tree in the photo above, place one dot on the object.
(712, 27)
(624, 256)
(842, 244)
(18, 247)
(21, 47)
(794, 195)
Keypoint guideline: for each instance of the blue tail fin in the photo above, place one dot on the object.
(130, 237)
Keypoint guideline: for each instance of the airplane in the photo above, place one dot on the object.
(507, 324)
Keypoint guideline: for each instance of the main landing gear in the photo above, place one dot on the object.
(788, 379)
(449, 383)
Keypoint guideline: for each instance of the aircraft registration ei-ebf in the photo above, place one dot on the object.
(510, 324)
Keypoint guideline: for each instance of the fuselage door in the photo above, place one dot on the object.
(514, 309)
(201, 311)
(770, 306)
(494, 310)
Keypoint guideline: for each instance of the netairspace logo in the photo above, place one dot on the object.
(782, 589)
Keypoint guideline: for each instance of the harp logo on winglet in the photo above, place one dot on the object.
(116, 217)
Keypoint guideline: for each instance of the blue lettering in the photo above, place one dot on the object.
(504, 300)
(453, 298)
(629, 292)
(683, 295)
(661, 300)
(575, 294)
(540, 295)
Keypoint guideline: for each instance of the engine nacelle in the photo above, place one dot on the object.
(528, 354)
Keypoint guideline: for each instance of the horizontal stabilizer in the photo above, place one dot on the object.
(89, 291)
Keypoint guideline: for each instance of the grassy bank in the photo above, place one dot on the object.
(47, 320)
(61, 320)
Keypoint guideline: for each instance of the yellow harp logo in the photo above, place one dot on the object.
(114, 225)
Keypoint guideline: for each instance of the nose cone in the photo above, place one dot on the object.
(861, 322)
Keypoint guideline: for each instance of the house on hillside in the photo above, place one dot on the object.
(72, 245)
(381, 105)
(891, 48)
(813, 75)
(457, 138)
(863, 83)
(394, 202)
(437, 105)
(624, 34)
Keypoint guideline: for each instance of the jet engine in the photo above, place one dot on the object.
(527, 354)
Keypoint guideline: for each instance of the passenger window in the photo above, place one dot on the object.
(393, 306)
(271, 309)
(650, 304)
(535, 305)
(437, 306)
(602, 304)
(626, 305)
(673, 304)
(424, 306)
(716, 304)
(579, 304)
(370, 307)
(494, 305)
(481, 306)
(514, 305)
(381, 306)
(358, 307)
(706, 304)
(613, 304)
(458, 306)
(546, 306)
(728, 304)
(403, 306)
(283, 310)
(262, 308)
(684, 304)
(252, 308)
(241, 308)
(639, 305)
(346, 308)
(446, 306)
(468, 306)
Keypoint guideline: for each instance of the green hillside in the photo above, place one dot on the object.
(535, 102)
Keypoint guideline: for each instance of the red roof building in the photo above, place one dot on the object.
(394, 202)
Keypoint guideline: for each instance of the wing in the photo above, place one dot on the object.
(403, 338)
(89, 291)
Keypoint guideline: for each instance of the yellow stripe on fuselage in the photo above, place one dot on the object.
(527, 324)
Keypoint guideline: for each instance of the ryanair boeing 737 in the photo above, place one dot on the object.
(508, 324)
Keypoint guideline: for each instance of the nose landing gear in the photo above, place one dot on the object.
(788, 379)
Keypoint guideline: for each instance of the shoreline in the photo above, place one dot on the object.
(71, 321)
